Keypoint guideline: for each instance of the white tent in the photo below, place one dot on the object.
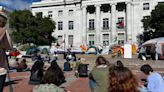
(158, 45)
(105, 50)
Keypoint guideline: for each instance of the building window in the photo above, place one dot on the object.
(91, 39)
(91, 24)
(70, 25)
(120, 23)
(105, 39)
(60, 13)
(105, 23)
(60, 25)
(60, 39)
(39, 14)
(70, 12)
(120, 38)
(146, 6)
(50, 14)
(70, 40)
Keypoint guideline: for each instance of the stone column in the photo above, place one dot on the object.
(128, 22)
(113, 21)
(98, 24)
(84, 24)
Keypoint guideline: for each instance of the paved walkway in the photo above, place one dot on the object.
(73, 84)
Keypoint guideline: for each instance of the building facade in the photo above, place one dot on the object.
(96, 22)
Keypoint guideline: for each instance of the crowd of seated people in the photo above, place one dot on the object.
(104, 77)
(19, 66)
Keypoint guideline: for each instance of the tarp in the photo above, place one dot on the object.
(154, 41)
(134, 49)
(77, 50)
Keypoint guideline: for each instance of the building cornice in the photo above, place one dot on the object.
(54, 3)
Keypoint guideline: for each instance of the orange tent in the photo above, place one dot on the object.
(84, 48)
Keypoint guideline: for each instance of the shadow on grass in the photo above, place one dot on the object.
(12, 82)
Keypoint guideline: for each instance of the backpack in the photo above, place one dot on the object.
(83, 70)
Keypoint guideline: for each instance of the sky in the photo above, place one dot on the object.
(17, 4)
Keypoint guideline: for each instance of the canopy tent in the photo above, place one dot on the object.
(92, 50)
(32, 50)
(156, 45)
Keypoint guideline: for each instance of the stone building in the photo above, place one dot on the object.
(96, 22)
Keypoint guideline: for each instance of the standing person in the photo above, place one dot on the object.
(121, 79)
(52, 79)
(36, 73)
(155, 82)
(142, 53)
(99, 75)
(5, 44)
(119, 54)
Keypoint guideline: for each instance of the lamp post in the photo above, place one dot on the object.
(64, 42)
(64, 47)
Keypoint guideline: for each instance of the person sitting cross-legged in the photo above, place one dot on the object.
(36, 73)
(52, 79)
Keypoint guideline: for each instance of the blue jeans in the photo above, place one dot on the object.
(91, 84)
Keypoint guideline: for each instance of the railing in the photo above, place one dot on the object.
(105, 29)
(120, 29)
(91, 30)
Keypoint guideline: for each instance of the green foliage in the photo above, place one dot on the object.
(157, 18)
(31, 29)
(24, 47)
(155, 22)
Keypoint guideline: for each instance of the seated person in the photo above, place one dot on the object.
(22, 66)
(37, 72)
(13, 64)
(67, 65)
(52, 80)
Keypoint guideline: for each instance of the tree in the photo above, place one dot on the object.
(155, 22)
(31, 29)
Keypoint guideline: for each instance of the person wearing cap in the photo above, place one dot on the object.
(5, 45)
